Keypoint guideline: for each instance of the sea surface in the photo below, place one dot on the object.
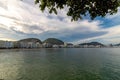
(60, 64)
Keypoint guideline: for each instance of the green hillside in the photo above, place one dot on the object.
(30, 40)
(53, 41)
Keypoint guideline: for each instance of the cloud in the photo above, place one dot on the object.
(112, 36)
(23, 19)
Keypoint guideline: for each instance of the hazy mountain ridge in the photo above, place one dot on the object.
(92, 43)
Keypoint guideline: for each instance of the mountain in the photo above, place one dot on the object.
(30, 40)
(53, 41)
(117, 44)
(92, 43)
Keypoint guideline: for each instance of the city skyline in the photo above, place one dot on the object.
(23, 19)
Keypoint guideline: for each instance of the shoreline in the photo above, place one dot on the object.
(50, 48)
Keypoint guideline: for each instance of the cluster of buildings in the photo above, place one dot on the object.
(65, 45)
(36, 43)
(6, 44)
(31, 44)
(11, 44)
(25, 43)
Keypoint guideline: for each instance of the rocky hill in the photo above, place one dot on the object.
(30, 40)
(54, 41)
(92, 43)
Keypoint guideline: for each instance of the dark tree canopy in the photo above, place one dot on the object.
(79, 8)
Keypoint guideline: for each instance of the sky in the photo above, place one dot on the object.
(23, 19)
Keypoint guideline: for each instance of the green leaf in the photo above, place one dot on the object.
(79, 8)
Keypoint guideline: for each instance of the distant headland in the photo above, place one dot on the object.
(30, 43)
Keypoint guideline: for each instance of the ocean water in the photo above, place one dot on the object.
(60, 64)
